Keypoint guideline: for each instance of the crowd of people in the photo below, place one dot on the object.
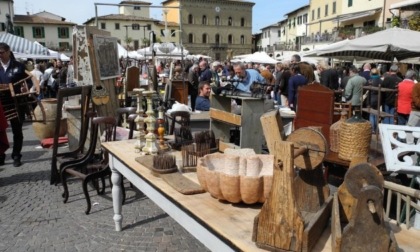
(42, 79)
(283, 80)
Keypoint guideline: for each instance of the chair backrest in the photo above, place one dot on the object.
(124, 112)
(132, 125)
(85, 93)
(106, 124)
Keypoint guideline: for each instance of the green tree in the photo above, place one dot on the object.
(128, 41)
(414, 22)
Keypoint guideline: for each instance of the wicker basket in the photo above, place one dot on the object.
(355, 137)
(335, 133)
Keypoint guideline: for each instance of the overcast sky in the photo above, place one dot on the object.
(265, 12)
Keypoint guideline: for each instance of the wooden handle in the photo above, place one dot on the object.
(300, 151)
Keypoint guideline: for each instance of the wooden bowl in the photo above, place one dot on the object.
(236, 178)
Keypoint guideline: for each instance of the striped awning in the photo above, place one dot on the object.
(21, 45)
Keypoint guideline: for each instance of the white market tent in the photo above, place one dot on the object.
(177, 52)
(260, 57)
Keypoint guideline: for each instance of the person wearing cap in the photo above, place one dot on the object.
(404, 99)
(12, 71)
(353, 90)
(390, 81)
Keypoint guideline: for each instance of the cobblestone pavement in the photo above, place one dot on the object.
(33, 216)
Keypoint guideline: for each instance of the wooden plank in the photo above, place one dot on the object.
(224, 116)
(223, 145)
(274, 124)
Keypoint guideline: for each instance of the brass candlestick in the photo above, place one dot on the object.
(161, 128)
(150, 147)
(140, 135)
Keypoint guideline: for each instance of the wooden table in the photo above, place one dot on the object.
(219, 226)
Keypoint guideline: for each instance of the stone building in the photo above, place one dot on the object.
(217, 28)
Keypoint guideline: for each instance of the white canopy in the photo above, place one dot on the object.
(260, 57)
(386, 45)
(177, 51)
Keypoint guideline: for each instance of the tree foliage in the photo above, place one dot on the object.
(414, 22)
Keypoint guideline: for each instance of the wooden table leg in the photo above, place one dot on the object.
(116, 195)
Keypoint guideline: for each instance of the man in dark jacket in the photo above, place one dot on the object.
(12, 71)
(391, 81)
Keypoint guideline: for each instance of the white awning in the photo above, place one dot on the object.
(357, 15)
(406, 5)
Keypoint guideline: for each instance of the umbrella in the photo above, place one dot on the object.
(385, 45)
(21, 45)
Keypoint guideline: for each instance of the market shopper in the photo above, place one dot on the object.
(405, 89)
(193, 84)
(390, 81)
(353, 90)
(203, 102)
(296, 80)
(245, 77)
(12, 71)
(414, 119)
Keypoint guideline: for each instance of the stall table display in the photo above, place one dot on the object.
(219, 226)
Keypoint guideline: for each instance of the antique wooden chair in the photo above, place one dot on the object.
(93, 166)
(125, 122)
(85, 102)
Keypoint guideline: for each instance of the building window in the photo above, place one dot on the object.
(136, 44)
(204, 39)
(42, 43)
(299, 20)
(305, 18)
(334, 8)
(136, 7)
(217, 39)
(38, 32)
(242, 22)
(369, 23)
(326, 10)
(19, 31)
(190, 38)
(294, 22)
(204, 21)
(230, 22)
(279, 33)
(242, 40)
(103, 26)
(173, 33)
(63, 32)
(64, 45)
(350, 3)
(190, 19)
(217, 20)
(230, 39)
(117, 26)
(313, 14)
(319, 13)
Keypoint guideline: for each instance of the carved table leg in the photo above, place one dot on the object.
(116, 196)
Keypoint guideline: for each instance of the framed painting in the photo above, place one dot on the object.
(106, 54)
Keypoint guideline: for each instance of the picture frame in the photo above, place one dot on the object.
(106, 55)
